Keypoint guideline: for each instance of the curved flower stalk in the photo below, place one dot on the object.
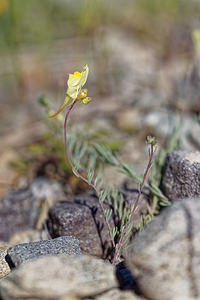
(75, 93)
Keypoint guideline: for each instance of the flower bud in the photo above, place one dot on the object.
(86, 100)
(82, 94)
(151, 140)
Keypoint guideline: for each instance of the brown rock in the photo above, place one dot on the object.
(82, 217)
(182, 174)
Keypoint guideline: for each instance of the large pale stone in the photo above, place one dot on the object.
(116, 294)
(52, 277)
(165, 257)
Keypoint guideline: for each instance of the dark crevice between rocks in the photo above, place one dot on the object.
(125, 279)
(104, 245)
(9, 262)
(46, 229)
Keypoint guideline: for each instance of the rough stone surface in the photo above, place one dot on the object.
(4, 267)
(4, 246)
(70, 297)
(82, 217)
(116, 294)
(53, 277)
(24, 209)
(165, 257)
(28, 236)
(181, 176)
(24, 252)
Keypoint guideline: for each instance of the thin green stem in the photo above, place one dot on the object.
(123, 236)
(79, 175)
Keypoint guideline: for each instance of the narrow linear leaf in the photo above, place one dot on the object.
(90, 175)
(75, 173)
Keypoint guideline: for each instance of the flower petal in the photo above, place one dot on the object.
(84, 76)
(74, 79)
(76, 82)
(72, 92)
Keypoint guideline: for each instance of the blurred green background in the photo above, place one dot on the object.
(140, 52)
(41, 41)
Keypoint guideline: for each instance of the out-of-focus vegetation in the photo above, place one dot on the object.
(38, 22)
(43, 24)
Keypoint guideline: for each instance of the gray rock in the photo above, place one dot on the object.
(82, 217)
(165, 257)
(181, 176)
(4, 267)
(44, 188)
(163, 122)
(53, 277)
(24, 252)
(27, 208)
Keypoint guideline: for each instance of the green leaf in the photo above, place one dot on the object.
(102, 195)
(75, 173)
(128, 170)
(105, 154)
(121, 207)
(90, 175)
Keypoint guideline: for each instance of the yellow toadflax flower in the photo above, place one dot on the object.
(75, 92)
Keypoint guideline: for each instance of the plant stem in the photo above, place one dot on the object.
(125, 230)
(79, 175)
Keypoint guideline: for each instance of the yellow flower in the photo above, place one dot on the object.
(75, 92)
(76, 81)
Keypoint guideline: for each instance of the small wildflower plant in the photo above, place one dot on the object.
(119, 235)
